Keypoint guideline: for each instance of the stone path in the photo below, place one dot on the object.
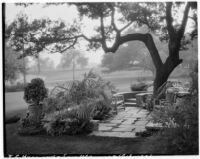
(125, 124)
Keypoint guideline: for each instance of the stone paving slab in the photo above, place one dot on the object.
(141, 123)
(123, 129)
(104, 128)
(125, 124)
(115, 121)
(128, 121)
(114, 134)
(108, 124)
(119, 117)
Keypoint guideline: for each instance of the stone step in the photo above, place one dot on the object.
(131, 100)
(130, 104)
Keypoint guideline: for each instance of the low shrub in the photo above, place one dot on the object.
(12, 119)
(28, 127)
(15, 88)
(92, 88)
(101, 110)
(52, 104)
(147, 133)
(70, 108)
(139, 87)
(180, 122)
(71, 122)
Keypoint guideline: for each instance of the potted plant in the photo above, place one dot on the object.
(34, 94)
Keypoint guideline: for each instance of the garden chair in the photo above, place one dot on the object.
(118, 101)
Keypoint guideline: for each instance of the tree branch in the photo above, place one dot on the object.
(90, 39)
(169, 21)
(184, 21)
(102, 27)
(145, 38)
(63, 50)
(126, 26)
(113, 20)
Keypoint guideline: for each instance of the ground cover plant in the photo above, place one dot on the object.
(180, 121)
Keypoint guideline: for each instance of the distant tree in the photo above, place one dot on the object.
(13, 66)
(69, 56)
(45, 64)
(22, 38)
(82, 61)
(107, 61)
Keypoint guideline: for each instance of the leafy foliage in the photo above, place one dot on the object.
(194, 77)
(181, 121)
(69, 121)
(35, 91)
(92, 86)
(69, 109)
(139, 87)
(102, 110)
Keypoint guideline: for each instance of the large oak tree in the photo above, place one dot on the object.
(114, 19)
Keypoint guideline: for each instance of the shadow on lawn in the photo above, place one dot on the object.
(48, 145)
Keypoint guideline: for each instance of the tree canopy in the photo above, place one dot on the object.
(114, 18)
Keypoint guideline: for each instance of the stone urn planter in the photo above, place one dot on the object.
(34, 94)
(35, 113)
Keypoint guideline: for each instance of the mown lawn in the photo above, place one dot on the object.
(48, 145)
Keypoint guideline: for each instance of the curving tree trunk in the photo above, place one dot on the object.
(163, 69)
(163, 73)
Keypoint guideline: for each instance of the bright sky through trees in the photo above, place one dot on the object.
(55, 13)
(68, 14)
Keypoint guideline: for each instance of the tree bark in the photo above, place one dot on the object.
(162, 74)
(38, 64)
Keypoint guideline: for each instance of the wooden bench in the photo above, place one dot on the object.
(141, 98)
(118, 101)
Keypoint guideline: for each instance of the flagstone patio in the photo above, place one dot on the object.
(125, 124)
